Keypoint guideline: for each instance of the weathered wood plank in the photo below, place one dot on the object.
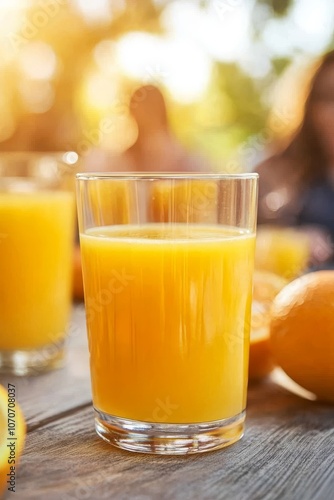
(45, 396)
(287, 453)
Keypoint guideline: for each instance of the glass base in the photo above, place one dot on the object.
(32, 361)
(169, 439)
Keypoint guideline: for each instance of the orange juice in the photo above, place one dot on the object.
(36, 247)
(283, 251)
(168, 310)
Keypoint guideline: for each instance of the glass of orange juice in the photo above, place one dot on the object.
(168, 288)
(37, 214)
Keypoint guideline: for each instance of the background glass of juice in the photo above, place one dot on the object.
(282, 250)
(37, 213)
(168, 288)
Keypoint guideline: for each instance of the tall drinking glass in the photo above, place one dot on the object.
(36, 247)
(167, 266)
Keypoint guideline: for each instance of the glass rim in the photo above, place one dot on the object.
(152, 176)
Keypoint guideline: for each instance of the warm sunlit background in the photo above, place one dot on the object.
(233, 71)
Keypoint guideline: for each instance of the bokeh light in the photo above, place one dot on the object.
(37, 60)
(228, 70)
(173, 62)
(97, 11)
(37, 96)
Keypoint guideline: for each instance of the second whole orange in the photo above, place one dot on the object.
(302, 332)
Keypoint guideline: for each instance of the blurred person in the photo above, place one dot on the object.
(297, 184)
(156, 149)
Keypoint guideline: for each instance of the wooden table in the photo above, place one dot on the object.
(287, 451)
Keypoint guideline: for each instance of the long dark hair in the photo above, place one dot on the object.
(305, 148)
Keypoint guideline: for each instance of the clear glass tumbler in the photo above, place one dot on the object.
(167, 267)
(37, 213)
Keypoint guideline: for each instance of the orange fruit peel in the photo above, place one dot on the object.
(302, 332)
(265, 288)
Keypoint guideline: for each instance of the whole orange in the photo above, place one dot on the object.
(302, 332)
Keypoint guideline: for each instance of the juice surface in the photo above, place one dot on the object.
(36, 245)
(168, 314)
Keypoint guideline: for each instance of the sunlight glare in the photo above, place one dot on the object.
(307, 30)
(38, 96)
(94, 11)
(100, 91)
(38, 60)
(11, 16)
(105, 57)
(223, 33)
(174, 62)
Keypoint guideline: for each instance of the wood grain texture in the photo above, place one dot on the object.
(287, 452)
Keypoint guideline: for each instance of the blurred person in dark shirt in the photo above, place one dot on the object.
(297, 184)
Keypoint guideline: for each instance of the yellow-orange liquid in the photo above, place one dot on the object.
(283, 251)
(36, 245)
(168, 313)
